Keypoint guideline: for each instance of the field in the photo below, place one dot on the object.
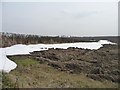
(31, 74)
(49, 44)
(59, 68)
(62, 68)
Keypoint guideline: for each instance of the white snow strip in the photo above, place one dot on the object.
(17, 50)
(7, 65)
(105, 42)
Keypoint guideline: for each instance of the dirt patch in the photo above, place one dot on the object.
(101, 64)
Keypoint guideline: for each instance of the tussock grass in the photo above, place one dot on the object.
(31, 74)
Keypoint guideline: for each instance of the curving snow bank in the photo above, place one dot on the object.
(7, 65)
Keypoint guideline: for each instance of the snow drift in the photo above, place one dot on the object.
(7, 65)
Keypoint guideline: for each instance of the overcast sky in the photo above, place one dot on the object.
(61, 18)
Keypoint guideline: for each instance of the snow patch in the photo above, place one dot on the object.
(7, 65)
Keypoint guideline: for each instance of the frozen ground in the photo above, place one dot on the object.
(7, 65)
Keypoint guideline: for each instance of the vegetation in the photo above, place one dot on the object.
(32, 74)
(0, 80)
(8, 39)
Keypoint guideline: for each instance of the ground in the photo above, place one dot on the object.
(58, 68)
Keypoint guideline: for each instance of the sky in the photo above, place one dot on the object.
(95, 18)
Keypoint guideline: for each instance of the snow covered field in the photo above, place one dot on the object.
(7, 65)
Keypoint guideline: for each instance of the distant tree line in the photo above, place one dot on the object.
(8, 39)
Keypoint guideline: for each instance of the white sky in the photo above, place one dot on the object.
(83, 18)
(60, 0)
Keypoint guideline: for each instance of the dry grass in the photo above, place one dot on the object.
(31, 74)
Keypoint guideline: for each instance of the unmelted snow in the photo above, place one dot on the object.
(7, 65)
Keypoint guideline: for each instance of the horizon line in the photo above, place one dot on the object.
(63, 35)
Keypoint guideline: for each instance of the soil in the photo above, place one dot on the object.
(101, 64)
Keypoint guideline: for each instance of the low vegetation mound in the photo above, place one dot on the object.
(64, 68)
(99, 64)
